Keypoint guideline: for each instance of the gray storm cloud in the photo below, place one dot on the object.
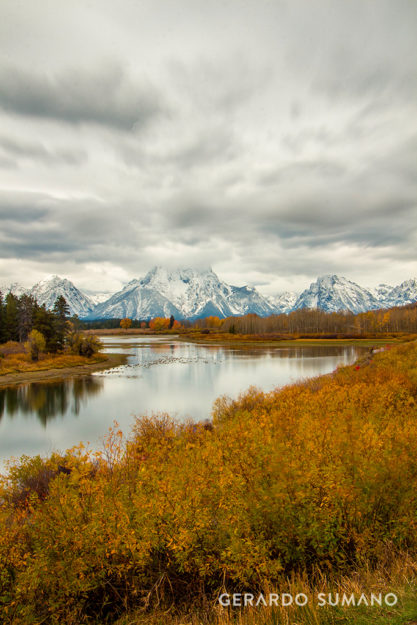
(104, 97)
(272, 140)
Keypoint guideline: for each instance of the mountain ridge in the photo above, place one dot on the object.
(187, 293)
(46, 292)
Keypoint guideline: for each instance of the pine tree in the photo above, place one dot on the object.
(26, 307)
(44, 322)
(61, 312)
(11, 318)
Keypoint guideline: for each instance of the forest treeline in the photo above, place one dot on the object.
(309, 321)
(305, 321)
(27, 327)
(19, 316)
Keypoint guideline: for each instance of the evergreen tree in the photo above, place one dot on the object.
(61, 312)
(12, 318)
(44, 322)
(25, 309)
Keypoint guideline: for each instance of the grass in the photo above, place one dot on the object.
(15, 358)
(259, 340)
(399, 576)
(21, 363)
(239, 340)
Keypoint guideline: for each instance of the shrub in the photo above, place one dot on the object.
(316, 476)
(84, 344)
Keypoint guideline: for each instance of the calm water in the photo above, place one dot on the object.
(160, 375)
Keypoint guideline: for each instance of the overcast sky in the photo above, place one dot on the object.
(272, 140)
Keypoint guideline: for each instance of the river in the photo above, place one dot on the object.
(161, 375)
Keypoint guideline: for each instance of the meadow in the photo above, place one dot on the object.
(311, 487)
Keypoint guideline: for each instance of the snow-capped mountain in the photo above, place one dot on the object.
(404, 293)
(283, 302)
(98, 297)
(191, 294)
(331, 293)
(48, 290)
(135, 302)
(184, 293)
(381, 291)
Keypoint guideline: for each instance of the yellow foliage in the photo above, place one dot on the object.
(21, 363)
(125, 323)
(318, 475)
(159, 323)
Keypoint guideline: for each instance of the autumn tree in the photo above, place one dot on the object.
(125, 323)
(159, 323)
(35, 344)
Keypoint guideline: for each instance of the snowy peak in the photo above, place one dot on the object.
(97, 297)
(381, 291)
(404, 293)
(49, 289)
(188, 293)
(333, 293)
(185, 293)
(283, 302)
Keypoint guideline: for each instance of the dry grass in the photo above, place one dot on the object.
(20, 362)
(397, 575)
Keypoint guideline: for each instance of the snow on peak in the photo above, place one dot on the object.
(190, 293)
(404, 293)
(332, 293)
(283, 302)
(50, 288)
(185, 293)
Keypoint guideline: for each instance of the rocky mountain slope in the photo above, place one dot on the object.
(191, 294)
(48, 290)
(332, 293)
(184, 293)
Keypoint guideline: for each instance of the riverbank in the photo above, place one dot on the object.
(254, 341)
(64, 368)
(260, 340)
(307, 488)
(119, 332)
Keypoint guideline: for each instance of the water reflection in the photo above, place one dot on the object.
(48, 400)
(160, 375)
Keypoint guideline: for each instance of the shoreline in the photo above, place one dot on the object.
(114, 360)
(256, 340)
(47, 375)
(365, 342)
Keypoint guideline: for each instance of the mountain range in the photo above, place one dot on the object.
(191, 294)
